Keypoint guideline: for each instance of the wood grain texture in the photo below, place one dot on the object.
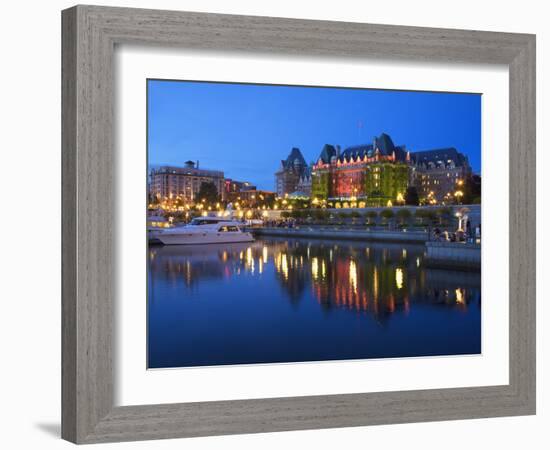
(89, 36)
(68, 226)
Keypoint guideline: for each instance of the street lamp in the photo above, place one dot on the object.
(400, 198)
(458, 195)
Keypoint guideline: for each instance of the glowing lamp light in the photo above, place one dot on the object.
(399, 278)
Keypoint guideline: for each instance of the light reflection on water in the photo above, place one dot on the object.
(305, 300)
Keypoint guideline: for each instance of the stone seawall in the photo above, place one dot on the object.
(453, 255)
(356, 235)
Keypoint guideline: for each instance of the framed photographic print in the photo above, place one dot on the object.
(278, 224)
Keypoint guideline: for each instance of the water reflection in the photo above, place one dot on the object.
(376, 277)
(377, 281)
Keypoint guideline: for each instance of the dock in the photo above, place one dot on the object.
(453, 255)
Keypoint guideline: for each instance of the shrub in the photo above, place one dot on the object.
(425, 215)
(298, 214)
(371, 216)
(403, 215)
(443, 214)
(387, 214)
(319, 214)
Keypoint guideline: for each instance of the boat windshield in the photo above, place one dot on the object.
(198, 221)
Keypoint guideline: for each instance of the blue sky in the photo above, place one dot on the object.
(246, 129)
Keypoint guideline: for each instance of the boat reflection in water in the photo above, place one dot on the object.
(305, 300)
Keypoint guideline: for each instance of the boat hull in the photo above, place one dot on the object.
(203, 238)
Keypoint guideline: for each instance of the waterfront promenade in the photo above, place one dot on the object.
(339, 232)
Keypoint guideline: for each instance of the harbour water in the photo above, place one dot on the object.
(290, 300)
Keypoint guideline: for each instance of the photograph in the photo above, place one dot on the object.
(307, 223)
(265, 225)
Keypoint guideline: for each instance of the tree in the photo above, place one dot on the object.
(424, 215)
(343, 215)
(472, 190)
(320, 215)
(403, 215)
(371, 216)
(298, 214)
(387, 214)
(443, 214)
(411, 196)
(208, 192)
(354, 216)
(154, 200)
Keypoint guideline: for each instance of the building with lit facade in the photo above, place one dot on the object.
(184, 182)
(375, 173)
(292, 169)
(252, 197)
(232, 186)
(440, 174)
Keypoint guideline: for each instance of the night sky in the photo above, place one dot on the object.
(246, 129)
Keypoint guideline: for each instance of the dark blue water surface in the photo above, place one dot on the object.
(305, 300)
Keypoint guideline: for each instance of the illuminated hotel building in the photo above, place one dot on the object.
(439, 173)
(374, 173)
(171, 182)
(379, 173)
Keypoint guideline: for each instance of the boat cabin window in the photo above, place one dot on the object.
(198, 221)
(225, 228)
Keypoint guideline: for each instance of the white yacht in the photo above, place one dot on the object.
(204, 230)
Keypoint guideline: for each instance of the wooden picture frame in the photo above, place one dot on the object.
(90, 34)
